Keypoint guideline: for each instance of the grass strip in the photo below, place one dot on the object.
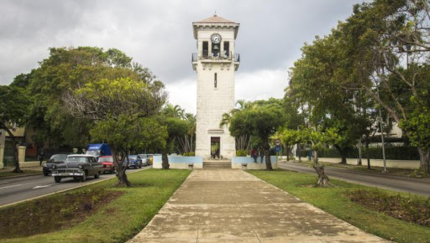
(335, 200)
(125, 216)
(10, 174)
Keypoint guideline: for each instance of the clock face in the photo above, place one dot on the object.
(216, 38)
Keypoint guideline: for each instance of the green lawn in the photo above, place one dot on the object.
(125, 216)
(335, 201)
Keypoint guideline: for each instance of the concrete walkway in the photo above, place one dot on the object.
(234, 206)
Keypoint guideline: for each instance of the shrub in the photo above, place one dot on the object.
(241, 153)
(395, 153)
(189, 154)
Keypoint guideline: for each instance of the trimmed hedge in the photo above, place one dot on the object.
(394, 153)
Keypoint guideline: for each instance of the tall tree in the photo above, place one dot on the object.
(116, 103)
(176, 128)
(392, 37)
(65, 70)
(14, 107)
(128, 132)
(261, 122)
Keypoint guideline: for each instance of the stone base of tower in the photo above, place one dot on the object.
(217, 146)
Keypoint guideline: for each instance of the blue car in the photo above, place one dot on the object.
(134, 162)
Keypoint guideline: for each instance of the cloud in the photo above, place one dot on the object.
(261, 84)
(158, 35)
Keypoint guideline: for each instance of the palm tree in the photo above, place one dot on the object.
(174, 111)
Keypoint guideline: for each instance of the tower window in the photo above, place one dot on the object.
(205, 49)
(215, 81)
(226, 52)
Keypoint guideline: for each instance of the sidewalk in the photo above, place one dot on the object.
(234, 206)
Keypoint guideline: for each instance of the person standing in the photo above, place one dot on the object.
(41, 155)
(261, 155)
(253, 155)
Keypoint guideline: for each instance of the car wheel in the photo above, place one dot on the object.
(84, 177)
(57, 179)
(97, 175)
(45, 173)
(75, 178)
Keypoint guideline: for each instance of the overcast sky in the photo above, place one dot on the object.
(158, 35)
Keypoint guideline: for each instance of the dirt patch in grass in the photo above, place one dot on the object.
(53, 213)
(415, 210)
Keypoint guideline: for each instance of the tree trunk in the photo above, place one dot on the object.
(267, 155)
(323, 180)
(121, 175)
(15, 148)
(165, 160)
(424, 159)
(342, 154)
(359, 152)
(288, 152)
(298, 152)
(367, 152)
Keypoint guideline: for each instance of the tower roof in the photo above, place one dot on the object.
(216, 22)
(215, 19)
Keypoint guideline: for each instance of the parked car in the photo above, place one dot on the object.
(144, 158)
(55, 159)
(134, 161)
(78, 166)
(107, 163)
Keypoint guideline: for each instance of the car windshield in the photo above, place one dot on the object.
(132, 157)
(143, 156)
(105, 159)
(76, 159)
(95, 153)
(58, 158)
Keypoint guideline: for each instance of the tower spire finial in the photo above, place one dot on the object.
(215, 14)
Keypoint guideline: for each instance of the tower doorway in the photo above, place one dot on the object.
(215, 147)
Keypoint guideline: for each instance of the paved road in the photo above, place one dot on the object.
(396, 183)
(22, 188)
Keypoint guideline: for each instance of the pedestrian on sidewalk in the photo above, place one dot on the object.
(254, 155)
(261, 155)
(41, 155)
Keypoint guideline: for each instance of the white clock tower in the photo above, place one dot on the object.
(215, 64)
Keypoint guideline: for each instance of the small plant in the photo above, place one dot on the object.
(241, 153)
(418, 174)
(411, 209)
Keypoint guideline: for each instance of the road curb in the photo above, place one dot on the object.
(65, 190)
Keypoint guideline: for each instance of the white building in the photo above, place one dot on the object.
(215, 64)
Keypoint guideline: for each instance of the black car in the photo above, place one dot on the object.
(78, 166)
(55, 159)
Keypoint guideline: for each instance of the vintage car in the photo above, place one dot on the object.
(78, 166)
(107, 163)
(134, 161)
(144, 158)
(55, 159)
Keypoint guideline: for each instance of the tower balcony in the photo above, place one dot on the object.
(215, 59)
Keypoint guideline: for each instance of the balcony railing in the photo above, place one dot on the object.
(195, 57)
(236, 57)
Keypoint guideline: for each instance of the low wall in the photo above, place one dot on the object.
(179, 162)
(404, 164)
(248, 163)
